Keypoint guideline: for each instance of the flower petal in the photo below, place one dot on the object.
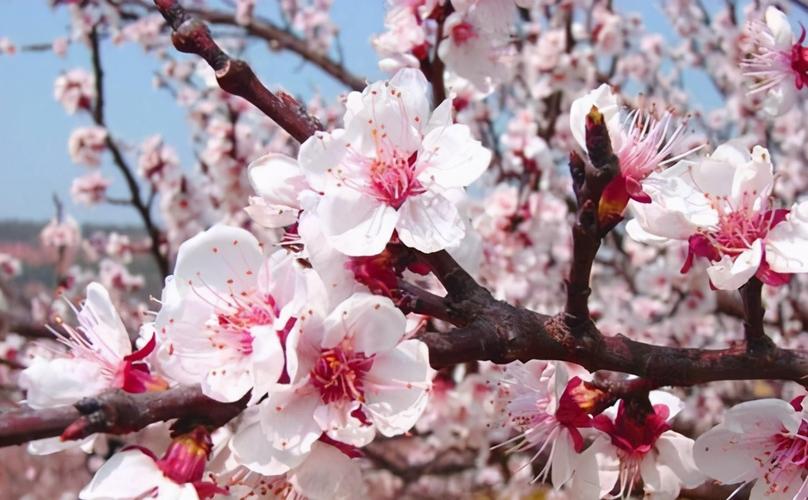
(429, 223)
(218, 263)
(727, 274)
(787, 242)
(373, 323)
(451, 157)
(396, 387)
(356, 224)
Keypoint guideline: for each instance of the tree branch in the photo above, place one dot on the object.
(117, 157)
(235, 76)
(756, 338)
(115, 412)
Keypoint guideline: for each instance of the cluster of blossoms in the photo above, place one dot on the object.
(286, 295)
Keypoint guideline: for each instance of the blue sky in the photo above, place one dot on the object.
(34, 128)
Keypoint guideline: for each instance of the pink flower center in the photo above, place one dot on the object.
(799, 62)
(462, 33)
(232, 328)
(393, 179)
(645, 146)
(738, 229)
(339, 375)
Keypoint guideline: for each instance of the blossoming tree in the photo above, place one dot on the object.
(525, 263)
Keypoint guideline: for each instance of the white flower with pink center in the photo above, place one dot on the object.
(778, 65)
(75, 89)
(86, 144)
(138, 473)
(722, 207)
(226, 313)
(548, 409)
(764, 441)
(99, 357)
(642, 145)
(637, 446)
(477, 39)
(353, 373)
(391, 168)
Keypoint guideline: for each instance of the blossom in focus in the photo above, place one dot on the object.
(722, 207)
(765, 441)
(548, 409)
(779, 64)
(637, 445)
(352, 373)
(642, 145)
(138, 473)
(390, 168)
(75, 90)
(226, 313)
(99, 357)
(86, 144)
(278, 181)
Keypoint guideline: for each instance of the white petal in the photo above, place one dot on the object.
(563, 458)
(218, 263)
(714, 173)
(328, 474)
(604, 98)
(55, 445)
(414, 94)
(355, 223)
(372, 323)
(737, 449)
(441, 116)
(278, 178)
(429, 223)
(107, 328)
(252, 450)
(267, 360)
(396, 387)
(319, 156)
(61, 381)
(762, 417)
(660, 482)
(597, 470)
(228, 383)
(676, 452)
(729, 275)
(451, 157)
(329, 264)
(287, 419)
(270, 216)
(778, 23)
(127, 474)
(787, 242)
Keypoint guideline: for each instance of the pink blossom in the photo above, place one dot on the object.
(89, 189)
(762, 441)
(778, 65)
(389, 168)
(75, 90)
(86, 144)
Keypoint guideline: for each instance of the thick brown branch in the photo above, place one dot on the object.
(502, 333)
(115, 412)
(235, 76)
